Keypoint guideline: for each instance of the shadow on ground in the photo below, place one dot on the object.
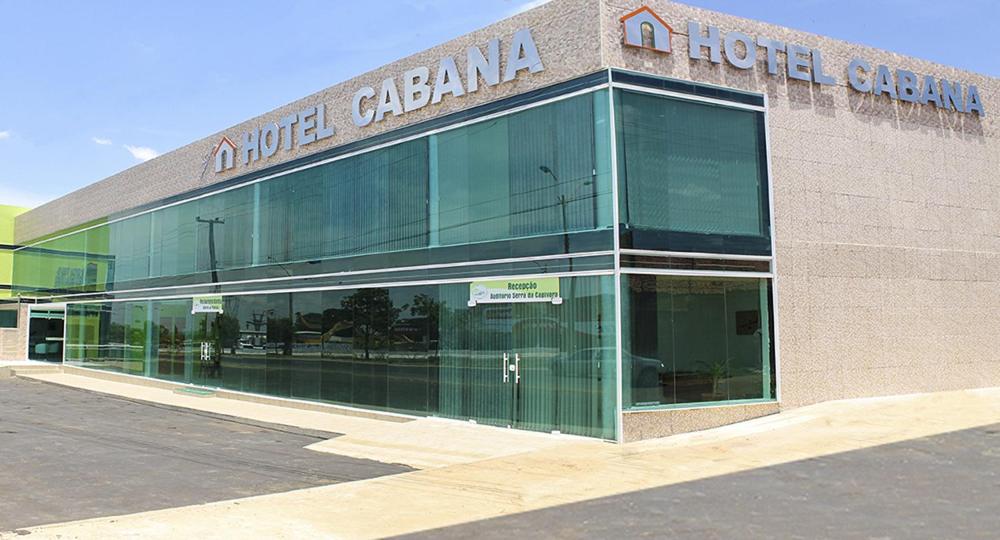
(945, 486)
(69, 454)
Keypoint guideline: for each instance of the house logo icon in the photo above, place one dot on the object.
(646, 30)
(224, 154)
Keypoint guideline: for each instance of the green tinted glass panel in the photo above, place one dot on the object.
(688, 167)
(689, 340)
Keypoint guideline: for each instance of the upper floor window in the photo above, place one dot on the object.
(693, 176)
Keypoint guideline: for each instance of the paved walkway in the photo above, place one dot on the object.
(420, 443)
(564, 473)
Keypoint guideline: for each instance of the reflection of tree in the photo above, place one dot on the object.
(429, 308)
(373, 314)
(279, 330)
(229, 331)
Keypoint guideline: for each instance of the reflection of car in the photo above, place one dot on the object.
(251, 339)
(645, 372)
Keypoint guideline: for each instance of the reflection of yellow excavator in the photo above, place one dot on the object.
(342, 332)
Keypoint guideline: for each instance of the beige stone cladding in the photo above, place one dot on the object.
(655, 423)
(887, 216)
(565, 32)
(14, 341)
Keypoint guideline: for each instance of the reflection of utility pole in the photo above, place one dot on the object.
(211, 243)
(572, 284)
(291, 326)
(562, 203)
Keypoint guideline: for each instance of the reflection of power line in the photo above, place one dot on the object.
(211, 243)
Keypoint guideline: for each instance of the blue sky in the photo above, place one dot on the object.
(88, 89)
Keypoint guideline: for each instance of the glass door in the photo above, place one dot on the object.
(538, 366)
(174, 349)
(207, 349)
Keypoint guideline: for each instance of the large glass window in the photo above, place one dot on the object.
(526, 174)
(414, 349)
(690, 340)
(693, 176)
(474, 190)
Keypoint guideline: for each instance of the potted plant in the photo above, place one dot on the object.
(717, 369)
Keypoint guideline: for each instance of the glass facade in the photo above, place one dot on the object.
(488, 190)
(411, 349)
(381, 247)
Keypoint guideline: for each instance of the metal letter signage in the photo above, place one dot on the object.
(369, 106)
(415, 89)
(644, 29)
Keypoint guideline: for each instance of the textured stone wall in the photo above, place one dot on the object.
(14, 341)
(887, 217)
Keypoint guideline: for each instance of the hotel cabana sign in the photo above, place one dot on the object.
(515, 291)
(418, 90)
(645, 30)
(414, 89)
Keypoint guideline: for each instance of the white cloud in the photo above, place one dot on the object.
(100, 141)
(4, 135)
(531, 4)
(142, 153)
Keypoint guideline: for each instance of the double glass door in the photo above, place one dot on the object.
(535, 366)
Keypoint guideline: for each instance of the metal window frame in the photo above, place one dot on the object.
(356, 286)
(351, 273)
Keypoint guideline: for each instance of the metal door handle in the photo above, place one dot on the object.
(517, 368)
(506, 363)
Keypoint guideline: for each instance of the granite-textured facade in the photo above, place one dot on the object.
(651, 424)
(887, 217)
(14, 341)
(887, 214)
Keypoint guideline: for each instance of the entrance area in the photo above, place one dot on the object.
(45, 334)
(425, 350)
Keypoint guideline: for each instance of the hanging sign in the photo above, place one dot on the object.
(206, 304)
(515, 291)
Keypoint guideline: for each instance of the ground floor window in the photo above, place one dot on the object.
(695, 339)
(415, 349)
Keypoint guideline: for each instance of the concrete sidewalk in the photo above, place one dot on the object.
(562, 472)
(420, 443)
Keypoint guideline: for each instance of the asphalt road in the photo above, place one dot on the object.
(69, 454)
(947, 486)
